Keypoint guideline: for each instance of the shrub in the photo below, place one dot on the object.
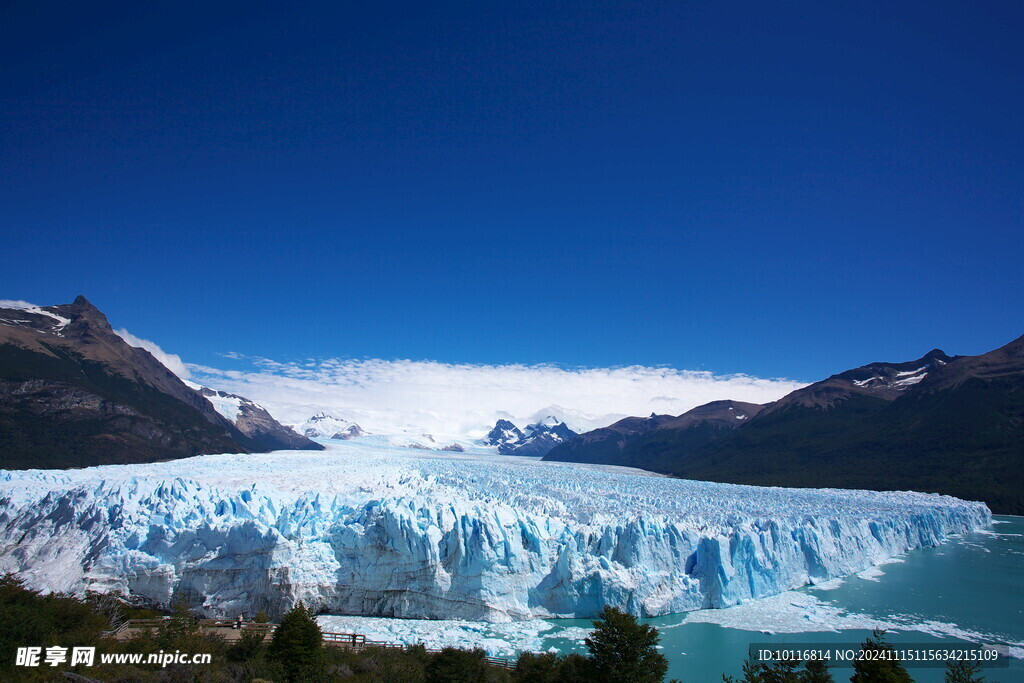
(458, 666)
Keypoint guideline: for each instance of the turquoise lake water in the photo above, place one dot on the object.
(970, 589)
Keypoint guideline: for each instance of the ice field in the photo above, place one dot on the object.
(370, 528)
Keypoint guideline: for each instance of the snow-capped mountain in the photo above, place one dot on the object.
(389, 531)
(504, 434)
(535, 440)
(549, 425)
(255, 421)
(325, 426)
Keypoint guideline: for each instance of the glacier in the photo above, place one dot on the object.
(369, 528)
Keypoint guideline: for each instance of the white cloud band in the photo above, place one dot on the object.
(171, 361)
(388, 396)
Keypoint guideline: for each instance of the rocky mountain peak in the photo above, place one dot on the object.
(84, 316)
(323, 425)
(504, 433)
(537, 439)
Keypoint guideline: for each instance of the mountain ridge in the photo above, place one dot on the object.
(537, 439)
(256, 422)
(73, 393)
(943, 424)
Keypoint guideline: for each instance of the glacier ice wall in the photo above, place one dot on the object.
(368, 529)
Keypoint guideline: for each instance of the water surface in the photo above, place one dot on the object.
(968, 590)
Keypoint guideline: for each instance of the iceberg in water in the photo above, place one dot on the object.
(365, 528)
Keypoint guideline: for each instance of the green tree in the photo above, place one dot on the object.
(751, 672)
(248, 646)
(33, 620)
(625, 651)
(298, 645)
(815, 671)
(180, 631)
(762, 672)
(964, 672)
(879, 669)
(575, 668)
(532, 667)
(451, 665)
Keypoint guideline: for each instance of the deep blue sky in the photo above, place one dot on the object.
(782, 189)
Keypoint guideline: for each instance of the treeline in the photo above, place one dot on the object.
(880, 666)
(619, 649)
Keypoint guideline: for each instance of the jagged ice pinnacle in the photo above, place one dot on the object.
(365, 528)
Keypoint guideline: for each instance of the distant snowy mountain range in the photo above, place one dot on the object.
(536, 439)
(324, 426)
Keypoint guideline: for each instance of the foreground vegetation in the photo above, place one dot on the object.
(620, 650)
(867, 670)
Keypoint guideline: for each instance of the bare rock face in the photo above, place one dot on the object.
(255, 422)
(942, 424)
(619, 443)
(536, 440)
(73, 393)
(886, 381)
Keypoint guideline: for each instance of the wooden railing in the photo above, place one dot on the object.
(142, 623)
(351, 639)
(232, 623)
(343, 639)
(355, 641)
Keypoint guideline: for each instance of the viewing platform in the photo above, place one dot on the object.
(232, 630)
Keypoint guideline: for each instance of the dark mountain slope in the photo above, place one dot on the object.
(255, 422)
(687, 433)
(604, 446)
(954, 426)
(642, 442)
(73, 393)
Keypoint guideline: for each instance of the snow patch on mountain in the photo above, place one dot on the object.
(26, 307)
(906, 379)
(888, 377)
(536, 439)
(504, 433)
(324, 426)
(229, 406)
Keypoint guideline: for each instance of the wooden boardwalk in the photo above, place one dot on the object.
(231, 631)
(225, 628)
